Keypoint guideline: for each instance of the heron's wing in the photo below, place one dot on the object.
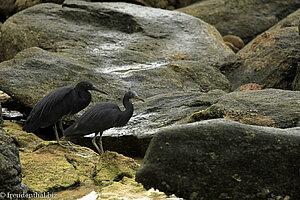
(49, 109)
(97, 119)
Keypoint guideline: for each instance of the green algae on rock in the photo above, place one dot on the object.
(52, 168)
(47, 169)
(114, 167)
(21, 138)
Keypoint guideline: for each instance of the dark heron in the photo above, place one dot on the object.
(101, 117)
(62, 101)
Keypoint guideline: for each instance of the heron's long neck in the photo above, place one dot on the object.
(127, 113)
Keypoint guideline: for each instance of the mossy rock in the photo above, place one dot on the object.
(21, 138)
(51, 167)
(114, 167)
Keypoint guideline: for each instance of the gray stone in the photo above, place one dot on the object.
(10, 168)
(245, 19)
(271, 60)
(223, 159)
(268, 107)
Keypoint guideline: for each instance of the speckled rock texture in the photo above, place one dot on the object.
(223, 159)
(10, 167)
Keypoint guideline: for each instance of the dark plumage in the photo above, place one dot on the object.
(101, 117)
(62, 101)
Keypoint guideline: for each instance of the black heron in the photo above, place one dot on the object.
(101, 117)
(62, 101)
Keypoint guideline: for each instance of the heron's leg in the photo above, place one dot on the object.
(56, 133)
(100, 142)
(61, 126)
(94, 143)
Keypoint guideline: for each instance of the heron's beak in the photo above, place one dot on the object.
(99, 90)
(139, 98)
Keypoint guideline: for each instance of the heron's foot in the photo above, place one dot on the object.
(72, 144)
(102, 150)
(62, 144)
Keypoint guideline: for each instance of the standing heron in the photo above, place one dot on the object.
(101, 117)
(58, 103)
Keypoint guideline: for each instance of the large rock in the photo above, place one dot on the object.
(292, 20)
(40, 71)
(268, 107)
(223, 159)
(116, 46)
(270, 60)
(10, 168)
(106, 35)
(150, 50)
(10, 7)
(245, 19)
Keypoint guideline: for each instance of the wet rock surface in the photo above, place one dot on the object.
(268, 107)
(165, 109)
(245, 19)
(223, 159)
(10, 167)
